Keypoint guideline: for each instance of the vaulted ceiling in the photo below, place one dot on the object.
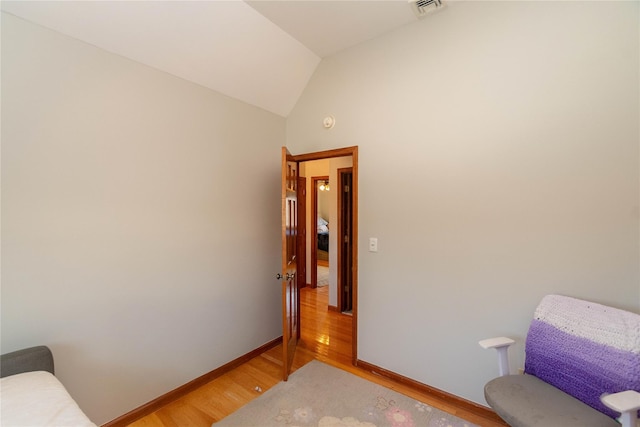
(260, 52)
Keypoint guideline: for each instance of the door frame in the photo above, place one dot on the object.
(353, 153)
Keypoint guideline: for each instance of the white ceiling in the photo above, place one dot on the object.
(327, 27)
(260, 52)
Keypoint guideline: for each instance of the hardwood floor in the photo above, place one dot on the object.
(325, 335)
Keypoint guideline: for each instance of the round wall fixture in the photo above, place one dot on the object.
(329, 122)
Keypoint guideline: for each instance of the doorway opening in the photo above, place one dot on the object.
(340, 184)
(319, 240)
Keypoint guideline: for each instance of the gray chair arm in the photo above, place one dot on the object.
(501, 344)
(29, 359)
(625, 402)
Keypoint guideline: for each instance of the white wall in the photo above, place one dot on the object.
(498, 162)
(135, 241)
(323, 204)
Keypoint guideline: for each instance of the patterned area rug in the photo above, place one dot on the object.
(323, 276)
(320, 395)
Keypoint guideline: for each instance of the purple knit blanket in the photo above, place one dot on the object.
(584, 349)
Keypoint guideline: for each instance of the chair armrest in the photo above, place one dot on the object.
(625, 402)
(501, 344)
(496, 342)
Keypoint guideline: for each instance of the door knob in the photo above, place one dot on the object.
(291, 276)
(288, 276)
(279, 276)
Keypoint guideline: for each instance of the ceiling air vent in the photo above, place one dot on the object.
(423, 7)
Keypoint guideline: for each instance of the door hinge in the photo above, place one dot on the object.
(346, 239)
(346, 188)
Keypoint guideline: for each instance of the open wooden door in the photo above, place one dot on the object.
(345, 242)
(290, 296)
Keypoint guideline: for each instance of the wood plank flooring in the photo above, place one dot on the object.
(325, 335)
